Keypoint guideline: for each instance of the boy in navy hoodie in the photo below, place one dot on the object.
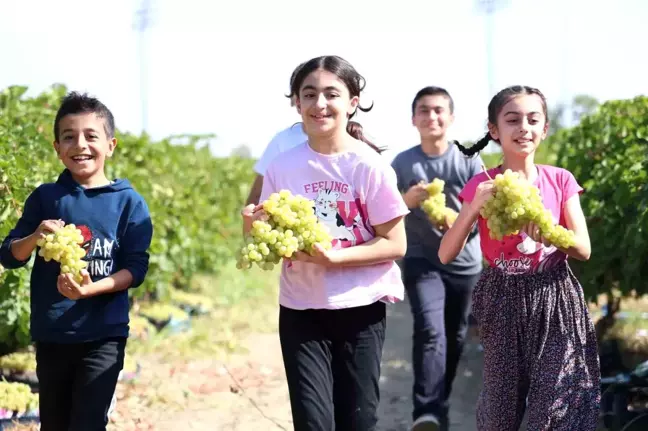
(80, 329)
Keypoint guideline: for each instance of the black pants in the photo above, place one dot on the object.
(332, 361)
(440, 304)
(77, 383)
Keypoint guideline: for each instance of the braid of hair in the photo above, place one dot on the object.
(476, 147)
(355, 129)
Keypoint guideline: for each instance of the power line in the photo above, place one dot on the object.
(141, 25)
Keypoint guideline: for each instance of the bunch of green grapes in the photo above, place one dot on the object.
(18, 361)
(291, 226)
(435, 205)
(64, 247)
(514, 204)
(17, 397)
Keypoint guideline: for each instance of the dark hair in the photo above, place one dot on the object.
(495, 107)
(293, 76)
(354, 82)
(77, 103)
(292, 79)
(356, 130)
(432, 91)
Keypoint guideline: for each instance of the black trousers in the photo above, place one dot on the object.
(332, 362)
(77, 383)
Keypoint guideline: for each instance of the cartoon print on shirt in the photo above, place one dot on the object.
(326, 210)
(99, 252)
(529, 246)
(86, 233)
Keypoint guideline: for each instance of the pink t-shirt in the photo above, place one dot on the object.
(352, 191)
(517, 254)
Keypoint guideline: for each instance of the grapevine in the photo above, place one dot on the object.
(514, 204)
(291, 226)
(435, 205)
(64, 246)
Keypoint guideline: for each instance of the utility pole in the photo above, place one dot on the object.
(141, 25)
(565, 93)
(489, 8)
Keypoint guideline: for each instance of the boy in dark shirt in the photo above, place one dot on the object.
(80, 329)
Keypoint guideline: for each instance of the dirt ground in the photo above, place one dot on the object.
(249, 392)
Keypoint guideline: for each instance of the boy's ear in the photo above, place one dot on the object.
(451, 119)
(111, 147)
(55, 144)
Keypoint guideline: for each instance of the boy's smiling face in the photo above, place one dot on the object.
(83, 146)
(433, 116)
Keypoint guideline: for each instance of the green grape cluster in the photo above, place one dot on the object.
(63, 246)
(17, 397)
(18, 362)
(514, 204)
(291, 226)
(435, 205)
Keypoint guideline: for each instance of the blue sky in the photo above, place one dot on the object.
(223, 67)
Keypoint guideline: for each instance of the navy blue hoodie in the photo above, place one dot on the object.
(117, 230)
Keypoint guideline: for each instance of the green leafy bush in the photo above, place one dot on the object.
(608, 154)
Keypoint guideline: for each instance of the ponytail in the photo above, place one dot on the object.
(476, 147)
(355, 129)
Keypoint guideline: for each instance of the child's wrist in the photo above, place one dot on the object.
(247, 226)
(89, 290)
(474, 210)
(335, 257)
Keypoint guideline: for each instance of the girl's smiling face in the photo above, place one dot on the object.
(324, 103)
(521, 125)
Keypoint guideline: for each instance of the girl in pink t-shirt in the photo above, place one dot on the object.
(539, 342)
(332, 303)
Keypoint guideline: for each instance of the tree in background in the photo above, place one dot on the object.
(581, 105)
(242, 151)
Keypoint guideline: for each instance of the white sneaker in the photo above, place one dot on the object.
(426, 423)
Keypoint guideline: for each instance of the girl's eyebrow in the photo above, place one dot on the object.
(329, 88)
(519, 113)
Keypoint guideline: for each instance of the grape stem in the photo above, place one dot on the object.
(486, 171)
